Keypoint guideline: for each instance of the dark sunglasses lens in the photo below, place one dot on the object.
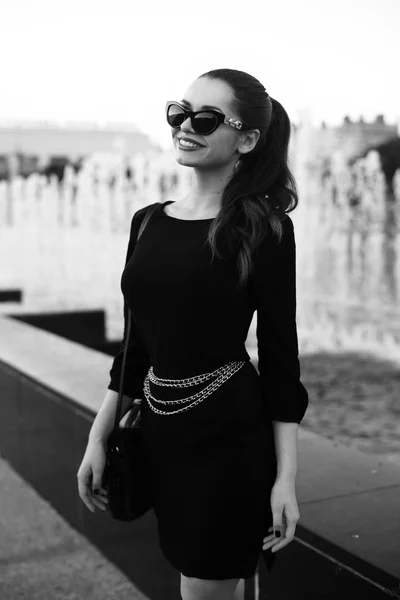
(204, 122)
(175, 115)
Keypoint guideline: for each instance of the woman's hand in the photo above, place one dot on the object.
(90, 476)
(285, 514)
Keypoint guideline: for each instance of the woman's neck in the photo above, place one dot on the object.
(198, 209)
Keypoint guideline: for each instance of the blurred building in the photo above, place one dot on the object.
(352, 138)
(28, 147)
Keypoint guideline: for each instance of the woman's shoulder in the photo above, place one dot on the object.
(279, 232)
(139, 216)
(142, 212)
(277, 242)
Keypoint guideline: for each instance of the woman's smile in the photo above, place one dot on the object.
(186, 146)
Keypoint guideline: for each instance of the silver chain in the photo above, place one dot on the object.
(224, 372)
(189, 381)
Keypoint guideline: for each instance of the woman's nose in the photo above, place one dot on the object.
(187, 122)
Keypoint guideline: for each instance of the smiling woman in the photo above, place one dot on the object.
(219, 435)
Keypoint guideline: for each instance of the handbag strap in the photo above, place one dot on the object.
(146, 219)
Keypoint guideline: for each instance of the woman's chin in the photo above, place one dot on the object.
(184, 157)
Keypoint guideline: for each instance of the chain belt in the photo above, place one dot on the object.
(223, 373)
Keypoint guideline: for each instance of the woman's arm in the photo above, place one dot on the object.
(274, 288)
(137, 358)
(136, 367)
(104, 420)
(285, 435)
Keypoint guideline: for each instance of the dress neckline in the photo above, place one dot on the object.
(177, 218)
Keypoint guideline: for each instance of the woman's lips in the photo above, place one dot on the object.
(183, 147)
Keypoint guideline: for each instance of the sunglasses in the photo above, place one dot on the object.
(203, 121)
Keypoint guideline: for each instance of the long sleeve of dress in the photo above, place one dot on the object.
(275, 301)
(137, 358)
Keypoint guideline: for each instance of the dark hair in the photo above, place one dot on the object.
(246, 212)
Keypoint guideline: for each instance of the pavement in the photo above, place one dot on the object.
(43, 558)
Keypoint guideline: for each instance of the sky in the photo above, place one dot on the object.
(121, 60)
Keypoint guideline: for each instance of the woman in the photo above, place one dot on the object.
(223, 463)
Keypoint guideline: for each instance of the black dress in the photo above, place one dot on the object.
(213, 465)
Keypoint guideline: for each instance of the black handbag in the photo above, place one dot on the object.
(126, 476)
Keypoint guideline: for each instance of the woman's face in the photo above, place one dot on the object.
(220, 147)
